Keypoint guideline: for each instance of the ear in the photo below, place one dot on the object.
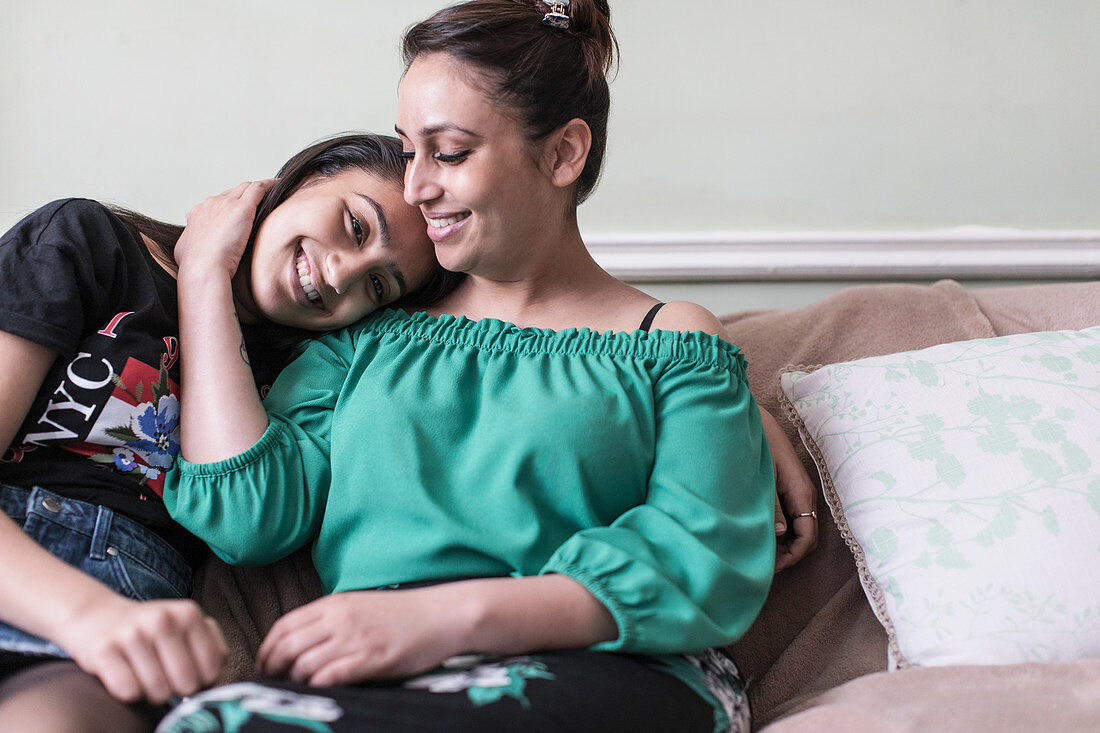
(567, 152)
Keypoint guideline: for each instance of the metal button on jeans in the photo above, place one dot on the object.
(112, 551)
(51, 504)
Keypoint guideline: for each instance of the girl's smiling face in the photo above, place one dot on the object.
(336, 249)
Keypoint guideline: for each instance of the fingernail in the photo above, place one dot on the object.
(780, 527)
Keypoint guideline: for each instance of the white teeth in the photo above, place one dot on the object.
(306, 281)
(440, 223)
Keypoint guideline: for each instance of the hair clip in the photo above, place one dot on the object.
(557, 17)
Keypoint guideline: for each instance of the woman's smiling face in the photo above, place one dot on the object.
(338, 248)
(471, 169)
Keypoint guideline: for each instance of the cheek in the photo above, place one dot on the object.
(359, 307)
(265, 283)
(351, 312)
(260, 276)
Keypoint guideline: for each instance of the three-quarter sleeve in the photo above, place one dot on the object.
(263, 504)
(691, 566)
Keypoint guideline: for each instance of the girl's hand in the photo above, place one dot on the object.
(217, 229)
(151, 649)
(359, 635)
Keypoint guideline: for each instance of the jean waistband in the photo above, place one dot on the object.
(107, 528)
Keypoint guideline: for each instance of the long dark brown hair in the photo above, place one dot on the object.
(379, 155)
(547, 75)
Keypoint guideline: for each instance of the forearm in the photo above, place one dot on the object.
(38, 592)
(517, 615)
(154, 649)
(221, 412)
(778, 443)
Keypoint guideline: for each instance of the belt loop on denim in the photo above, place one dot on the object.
(99, 536)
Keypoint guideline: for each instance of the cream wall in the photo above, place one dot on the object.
(729, 115)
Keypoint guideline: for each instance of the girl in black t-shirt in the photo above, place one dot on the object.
(89, 418)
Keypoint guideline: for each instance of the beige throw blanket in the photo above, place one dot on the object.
(817, 630)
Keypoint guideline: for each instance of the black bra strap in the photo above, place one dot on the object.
(648, 320)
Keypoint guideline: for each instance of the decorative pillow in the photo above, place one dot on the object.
(965, 478)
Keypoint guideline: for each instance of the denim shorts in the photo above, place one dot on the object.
(114, 549)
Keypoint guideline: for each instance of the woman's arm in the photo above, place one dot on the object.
(795, 525)
(137, 650)
(690, 567)
(353, 636)
(220, 410)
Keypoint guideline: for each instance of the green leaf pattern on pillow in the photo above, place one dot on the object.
(969, 475)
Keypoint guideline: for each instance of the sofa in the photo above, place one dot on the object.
(816, 657)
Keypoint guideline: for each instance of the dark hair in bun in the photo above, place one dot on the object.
(547, 75)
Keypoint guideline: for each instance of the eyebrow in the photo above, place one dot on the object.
(384, 233)
(402, 286)
(436, 129)
(383, 226)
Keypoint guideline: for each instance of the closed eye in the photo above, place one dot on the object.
(407, 155)
(451, 157)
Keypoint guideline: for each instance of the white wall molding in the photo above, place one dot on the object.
(962, 252)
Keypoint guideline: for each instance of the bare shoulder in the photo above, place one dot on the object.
(681, 315)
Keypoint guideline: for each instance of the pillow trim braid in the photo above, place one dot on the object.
(832, 499)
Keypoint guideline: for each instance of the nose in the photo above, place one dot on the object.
(344, 269)
(420, 182)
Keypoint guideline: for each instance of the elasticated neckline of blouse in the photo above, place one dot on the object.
(491, 334)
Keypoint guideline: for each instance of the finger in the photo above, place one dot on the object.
(175, 658)
(274, 638)
(145, 665)
(256, 190)
(805, 523)
(237, 190)
(783, 558)
(277, 655)
(343, 670)
(780, 520)
(792, 554)
(312, 659)
(208, 649)
(114, 672)
(805, 539)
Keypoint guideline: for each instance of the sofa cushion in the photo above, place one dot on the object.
(965, 478)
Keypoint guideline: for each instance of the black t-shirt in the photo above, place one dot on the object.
(104, 428)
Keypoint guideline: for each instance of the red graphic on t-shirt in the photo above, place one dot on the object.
(171, 352)
(137, 432)
(16, 453)
(109, 329)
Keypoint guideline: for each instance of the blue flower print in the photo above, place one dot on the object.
(158, 431)
(124, 459)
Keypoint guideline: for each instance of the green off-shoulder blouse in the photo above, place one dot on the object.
(412, 448)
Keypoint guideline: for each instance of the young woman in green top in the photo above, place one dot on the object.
(529, 511)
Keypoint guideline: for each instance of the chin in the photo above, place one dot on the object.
(451, 260)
